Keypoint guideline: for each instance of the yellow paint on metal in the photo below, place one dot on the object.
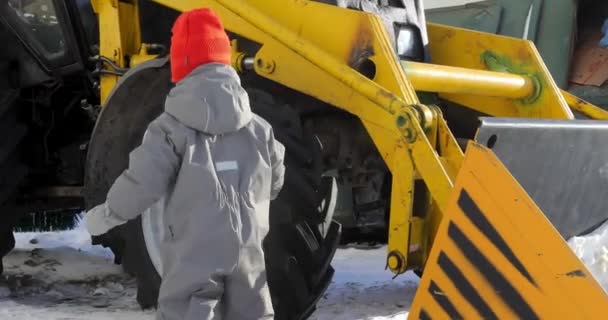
(110, 44)
(452, 157)
(584, 107)
(456, 47)
(402, 197)
(119, 36)
(487, 260)
(417, 253)
(455, 80)
(141, 57)
(446, 79)
(130, 29)
(448, 147)
(393, 262)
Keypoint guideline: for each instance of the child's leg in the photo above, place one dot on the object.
(248, 300)
(247, 295)
(205, 304)
(192, 301)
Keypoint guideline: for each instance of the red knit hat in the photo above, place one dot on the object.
(198, 38)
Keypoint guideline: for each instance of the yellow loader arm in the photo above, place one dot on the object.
(350, 63)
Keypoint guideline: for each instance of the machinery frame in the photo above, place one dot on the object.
(362, 75)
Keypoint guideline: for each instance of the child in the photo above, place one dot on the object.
(216, 166)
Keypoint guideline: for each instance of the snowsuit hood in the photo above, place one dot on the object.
(210, 100)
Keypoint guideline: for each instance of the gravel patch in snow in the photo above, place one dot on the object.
(61, 275)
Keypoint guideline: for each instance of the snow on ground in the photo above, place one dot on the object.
(60, 275)
(592, 249)
(362, 289)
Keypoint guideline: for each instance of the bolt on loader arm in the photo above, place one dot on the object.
(350, 63)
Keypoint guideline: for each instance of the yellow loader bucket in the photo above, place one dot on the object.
(496, 255)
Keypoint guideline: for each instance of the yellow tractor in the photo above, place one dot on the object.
(454, 146)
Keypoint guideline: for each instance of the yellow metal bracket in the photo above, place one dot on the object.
(584, 107)
(454, 80)
(518, 59)
(500, 83)
(119, 37)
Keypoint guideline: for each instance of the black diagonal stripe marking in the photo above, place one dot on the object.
(476, 216)
(444, 301)
(464, 287)
(424, 315)
(498, 281)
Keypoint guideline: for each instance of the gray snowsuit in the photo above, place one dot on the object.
(215, 166)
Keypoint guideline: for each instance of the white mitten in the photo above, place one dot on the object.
(101, 219)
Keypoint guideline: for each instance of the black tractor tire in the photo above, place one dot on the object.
(298, 255)
(135, 102)
(12, 171)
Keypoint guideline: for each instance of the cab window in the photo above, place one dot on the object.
(42, 26)
(39, 19)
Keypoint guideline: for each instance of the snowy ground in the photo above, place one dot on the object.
(363, 290)
(61, 276)
(592, 249)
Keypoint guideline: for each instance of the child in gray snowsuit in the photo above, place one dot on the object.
(216, 166)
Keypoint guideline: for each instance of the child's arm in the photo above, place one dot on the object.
(153, 167)
(277, 156)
